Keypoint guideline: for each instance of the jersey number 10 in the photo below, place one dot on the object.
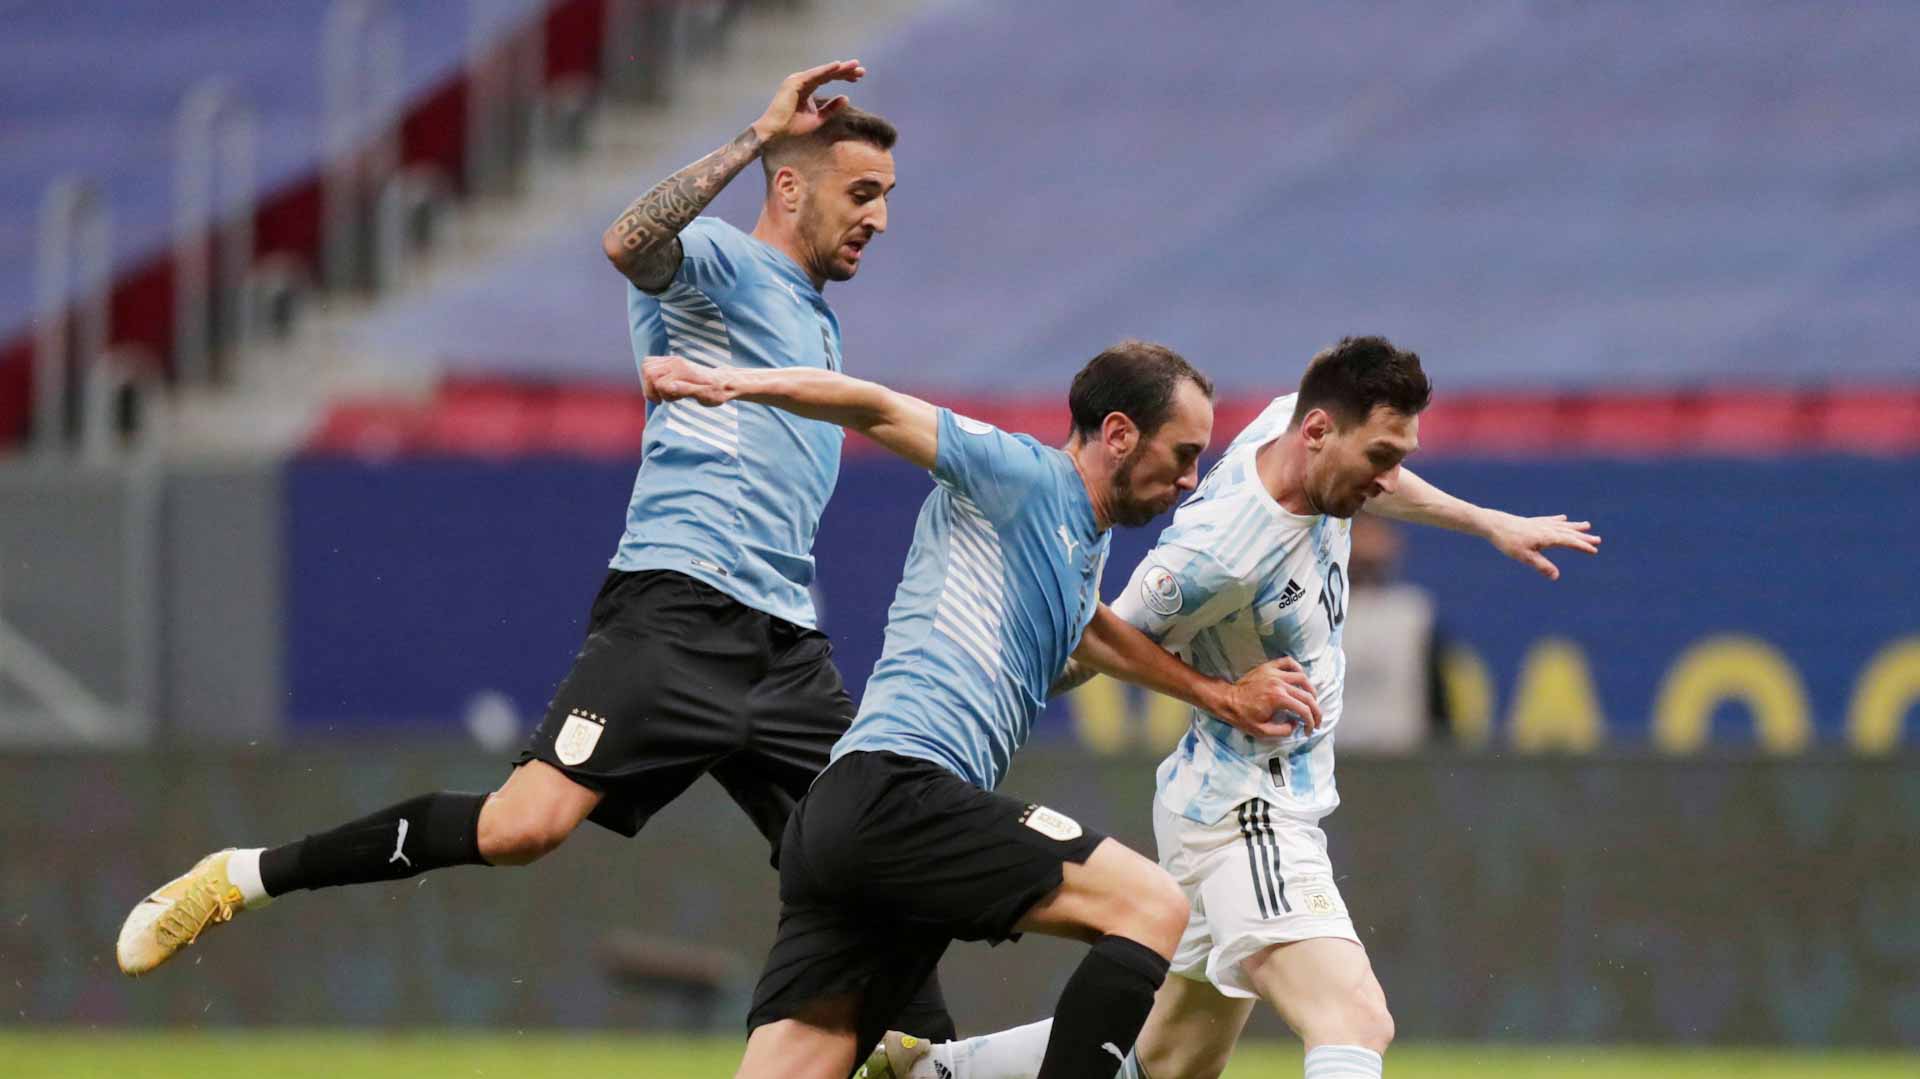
(1333, 597)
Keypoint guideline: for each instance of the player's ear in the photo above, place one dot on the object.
(1120, 433)
(788, 188)
(1316, 427)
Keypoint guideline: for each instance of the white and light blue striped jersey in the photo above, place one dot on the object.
(732, 494)
(1002, 579)
(1237, 580)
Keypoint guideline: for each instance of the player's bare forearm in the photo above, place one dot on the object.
(644, 242)
(1519, 538)
(899, 422)
(1113, 646)
(1075, 675)
(1416, 501)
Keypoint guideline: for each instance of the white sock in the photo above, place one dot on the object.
(1131, 1068)
(1342, 1062)
(1006, 1054)
(243, 869)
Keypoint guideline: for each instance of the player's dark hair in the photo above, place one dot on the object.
(1134, 378)
(847, 123)
(1360, 374)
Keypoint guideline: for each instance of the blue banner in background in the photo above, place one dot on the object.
(1760, 602)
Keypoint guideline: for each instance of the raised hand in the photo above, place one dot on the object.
(795, 111)
(1256, 703)
(671, 378)
(1523, 538)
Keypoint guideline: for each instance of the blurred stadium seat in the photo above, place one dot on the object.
(1610, 206)
(95, 88)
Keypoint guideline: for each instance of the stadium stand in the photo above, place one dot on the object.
(95, 92)
(1379, 173)
(94, 89)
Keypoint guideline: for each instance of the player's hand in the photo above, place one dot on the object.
(1273, 700)
(1523, 538)
(670, 378)
(795, 111)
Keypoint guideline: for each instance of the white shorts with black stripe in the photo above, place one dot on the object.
(1254, 878)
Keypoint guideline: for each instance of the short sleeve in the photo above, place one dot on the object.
(1176, 592)
(992, 469)
(715, 256)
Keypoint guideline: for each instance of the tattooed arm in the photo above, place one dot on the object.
(644, 243)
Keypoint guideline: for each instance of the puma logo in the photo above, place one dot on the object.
(1068, 540)
(400, 841)
(1115, 1050)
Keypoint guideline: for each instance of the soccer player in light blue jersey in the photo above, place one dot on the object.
(901, 845)
(702, 654)
(1253, 567)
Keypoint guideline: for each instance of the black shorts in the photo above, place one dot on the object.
(677, 679)
(887, 860)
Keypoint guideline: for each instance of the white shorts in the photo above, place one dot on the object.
(1255, 878)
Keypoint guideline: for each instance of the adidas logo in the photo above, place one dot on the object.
(942, 1070)
(1291, 594)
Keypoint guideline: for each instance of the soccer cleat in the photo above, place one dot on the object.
(175, 916)
(894, 1057)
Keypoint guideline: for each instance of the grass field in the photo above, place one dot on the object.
(119, 1055)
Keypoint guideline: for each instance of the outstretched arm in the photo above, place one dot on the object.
(1112, 646)
(644, 243)
(906, 425)
(1520, 538)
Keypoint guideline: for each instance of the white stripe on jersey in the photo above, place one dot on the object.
(697, 331)
(971, 596)
(717, 426)
(695, 327)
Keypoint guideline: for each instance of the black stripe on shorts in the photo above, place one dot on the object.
(1263, 858)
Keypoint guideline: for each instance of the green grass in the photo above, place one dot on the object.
(214, 1055)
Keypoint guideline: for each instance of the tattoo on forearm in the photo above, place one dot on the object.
(649, 227)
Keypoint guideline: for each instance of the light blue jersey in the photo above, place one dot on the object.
(732, 495)
(1003, 577)
(1237, 580)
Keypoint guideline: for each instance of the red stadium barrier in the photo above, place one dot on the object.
(1629, 425)
(495, 418)
(1748, 422)
(1868, 421)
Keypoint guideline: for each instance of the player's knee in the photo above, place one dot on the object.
(1375, 1022)
(1170, 909)
(1364, 1019)
(1157, 910)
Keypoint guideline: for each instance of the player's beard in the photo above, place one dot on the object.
(825, 248)
(1129, 511)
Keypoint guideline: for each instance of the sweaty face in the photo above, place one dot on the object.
(1361, 462)
(1162, 468)
(845, 207)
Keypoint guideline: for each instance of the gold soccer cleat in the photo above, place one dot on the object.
(894, 1057)
(176, 915)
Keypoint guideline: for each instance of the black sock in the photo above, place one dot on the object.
(1102, 1010)
(428, 832)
